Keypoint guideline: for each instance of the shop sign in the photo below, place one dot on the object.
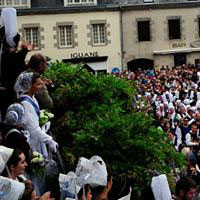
(84, 55)
(178, 44)
(195, 44)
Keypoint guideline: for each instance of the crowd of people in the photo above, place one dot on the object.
(22, 90)
(22, 137)
(26, 147)
(170, 94)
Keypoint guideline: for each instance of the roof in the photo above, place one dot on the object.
(60, 3)
(57, 6)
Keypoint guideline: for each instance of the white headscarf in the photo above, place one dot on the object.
(68, 185)
(198, 104)
(170, 105)
(11, 189)
(178, 101)
(187, 102)
(5, 153)
(192, 108)
(9, 21)
(14, 115)
(23, 83)
(160, 188)
(2, 164)
(92, 171)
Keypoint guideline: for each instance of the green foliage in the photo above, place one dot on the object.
(94, 116)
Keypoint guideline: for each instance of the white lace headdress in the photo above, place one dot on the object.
(9, 21)
(68, 185)
(11, 189)
(88, 171)
(23, 83)
(5, 153)
(92, 171)
(15, 114)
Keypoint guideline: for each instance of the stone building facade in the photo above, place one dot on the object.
(105, 34)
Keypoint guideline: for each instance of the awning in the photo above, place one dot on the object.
(173, 51)
(95, 63)
(96, 66)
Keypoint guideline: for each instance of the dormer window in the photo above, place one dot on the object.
(148, 1)
(15, 3)
(80, 2)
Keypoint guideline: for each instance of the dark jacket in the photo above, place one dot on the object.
(15, 140)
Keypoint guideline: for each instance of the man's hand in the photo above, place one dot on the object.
(46, 196)
(27, 45)
(2, 89)
(47, 82)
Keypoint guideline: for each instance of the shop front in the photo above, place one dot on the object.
(94, 64)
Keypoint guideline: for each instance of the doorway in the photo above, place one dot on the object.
(142, 63)
(179, 59)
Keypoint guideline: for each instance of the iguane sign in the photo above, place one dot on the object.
(83, 55)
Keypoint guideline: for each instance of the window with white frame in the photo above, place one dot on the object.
(65, 36)
(17, 3)
(2, 2)
(78, 2)
(99, 34)
(9, 2)
(32, 35)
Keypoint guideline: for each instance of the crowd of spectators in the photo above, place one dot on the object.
(170, 94)
(26, 145)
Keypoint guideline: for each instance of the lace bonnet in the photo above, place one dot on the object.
(15, 114)
(23, 83)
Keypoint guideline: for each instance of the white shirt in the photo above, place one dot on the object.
(188, 141)
(178, 136)
(37, 136)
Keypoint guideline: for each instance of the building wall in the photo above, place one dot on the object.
(164, 60)
(169, 59)
(81, 22)
(159, 34)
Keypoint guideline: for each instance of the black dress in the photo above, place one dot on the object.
(12, 64)
(15, 139)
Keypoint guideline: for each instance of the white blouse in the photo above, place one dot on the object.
(37, 135)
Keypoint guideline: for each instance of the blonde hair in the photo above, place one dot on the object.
(185, 151)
